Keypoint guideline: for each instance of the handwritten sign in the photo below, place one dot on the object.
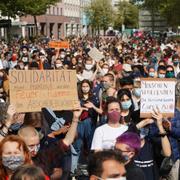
(30, 90)
(59, 44)
(157, 93)
(95, 54)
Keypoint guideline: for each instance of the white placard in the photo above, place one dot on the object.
(95, 54)
(1, 65)
(157, 93)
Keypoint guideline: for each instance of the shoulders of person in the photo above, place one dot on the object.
(134, 172)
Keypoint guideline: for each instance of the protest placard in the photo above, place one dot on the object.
(157, 94)
(95, 54)
(30, 90)
(59, 44)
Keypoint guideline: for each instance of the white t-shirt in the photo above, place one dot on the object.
(105, 136)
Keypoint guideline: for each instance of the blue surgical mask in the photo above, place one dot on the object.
(16, 126)
(144, 132)
(145, 63)
(151, 74)
(126, 105)
(1, 82)
(137, 92)
(161, 75)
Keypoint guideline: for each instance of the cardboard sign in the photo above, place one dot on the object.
(95, 54)
(59, 44)
(157, 93)
(30, 90)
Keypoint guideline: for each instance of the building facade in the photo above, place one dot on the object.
(60, 21)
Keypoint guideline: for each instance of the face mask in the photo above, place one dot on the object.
(151, 74)
(119, 178)
(104, 71)
(35, 148)
(114, 116)
(62, 56)
(176, 62)
(106, 85)
(85, 90)
(161, 75)
(21, 66)
(13, 162)
(170, 74)
(88, 66)
(59, 65)
(16, 126)
(145, 63)
(154, 60)
(1, 82)
(144, 132)
(126, 105)
(137, 92)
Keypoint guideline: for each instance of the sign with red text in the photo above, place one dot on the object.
(31, 90)
(157, 94)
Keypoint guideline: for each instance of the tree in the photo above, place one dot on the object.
(127, 14)
(36, 8)
(99, 13)
(170, 10)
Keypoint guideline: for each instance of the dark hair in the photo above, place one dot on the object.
(126, 81)
(111, 77)
(95, 164)
(110, 100)
(131, 139)
(163, 68)
(169, 66)
(126, 92)
(80, 93)
(30, 172)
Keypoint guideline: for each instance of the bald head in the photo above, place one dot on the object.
(29, 134)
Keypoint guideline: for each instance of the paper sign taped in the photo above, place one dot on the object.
(59, 44)
(95, 54)
(157, 94)
(30, 90)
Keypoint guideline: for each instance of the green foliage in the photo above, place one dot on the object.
(11, 8)
(37, 7)
(168, 8)
(100, 13)
(127, 14)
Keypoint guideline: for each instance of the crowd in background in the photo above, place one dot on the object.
(105, 131)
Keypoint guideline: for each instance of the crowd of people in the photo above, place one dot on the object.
(105, 134)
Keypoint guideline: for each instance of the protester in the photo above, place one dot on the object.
(14, 153)
(107, 165)
(129, 144)
(30, 172)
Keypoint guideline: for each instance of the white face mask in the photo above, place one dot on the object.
(118, 178)
(59, 65)
(104, 71)
(62, 55)
(88, 66)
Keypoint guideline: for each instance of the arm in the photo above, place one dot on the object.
(8, 122)
(166, 147)
(69, 138)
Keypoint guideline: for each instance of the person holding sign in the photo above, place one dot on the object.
(44, 158)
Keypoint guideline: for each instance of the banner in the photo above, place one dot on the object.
(157, 93)
(59, 44)
(30, 90)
